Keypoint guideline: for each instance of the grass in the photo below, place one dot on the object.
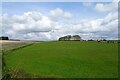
(66, 59)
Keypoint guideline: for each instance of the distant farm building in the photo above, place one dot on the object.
(70, 38)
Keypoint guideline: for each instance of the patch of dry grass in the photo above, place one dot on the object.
(6, 45)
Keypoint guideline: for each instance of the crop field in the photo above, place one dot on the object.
(65, 59)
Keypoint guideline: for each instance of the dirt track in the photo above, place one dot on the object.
(12, 41)
(3, 42)
(11, 44)
(8, 41)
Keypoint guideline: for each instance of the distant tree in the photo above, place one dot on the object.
(4, 38)
(65, 38)
(104, 39)
(90, 40)
(77, 37)
(69, 38)
(60, 39)
(98, 40)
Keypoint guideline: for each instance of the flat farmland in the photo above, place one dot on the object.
(65, 59)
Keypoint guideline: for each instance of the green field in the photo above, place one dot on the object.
(66, 59)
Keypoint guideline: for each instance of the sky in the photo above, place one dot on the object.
(60, 0)
(46, 21)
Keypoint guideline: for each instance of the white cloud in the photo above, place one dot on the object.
(67, 15)
(37, 26)
(31, 22)
(106, 7)
(116, 1)
(96, 29)
(111, 16)
(57, 12)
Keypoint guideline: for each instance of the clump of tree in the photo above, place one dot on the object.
(90, 40)
(4, 38)
(70, 38)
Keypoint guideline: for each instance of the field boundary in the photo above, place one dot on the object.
(4, 69)
(20, 47)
